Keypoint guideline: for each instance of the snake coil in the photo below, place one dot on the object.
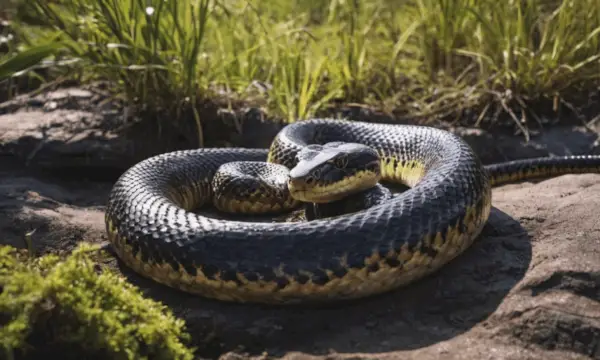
(152, 228)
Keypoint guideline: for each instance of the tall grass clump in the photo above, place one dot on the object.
(298, 82)
(533, 53)
(514, 53)
(152, 50)
(282, 58)
(423, 59)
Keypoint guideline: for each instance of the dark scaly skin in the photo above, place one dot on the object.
(353, 203)
(372, 251)
(252, 188)
(537, 168)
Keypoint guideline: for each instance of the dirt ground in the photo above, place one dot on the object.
(528, 289)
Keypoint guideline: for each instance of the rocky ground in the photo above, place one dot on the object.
(528, 289)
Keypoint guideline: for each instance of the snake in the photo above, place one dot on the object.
(359, 241)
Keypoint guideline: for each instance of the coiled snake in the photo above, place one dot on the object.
(384, 243)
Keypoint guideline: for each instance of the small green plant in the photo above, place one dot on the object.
(53, 304)
(16, 64)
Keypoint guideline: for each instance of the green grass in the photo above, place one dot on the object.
(53, 304)
(415, 58)
(18, 63)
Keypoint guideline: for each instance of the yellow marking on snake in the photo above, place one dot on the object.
(407, 172)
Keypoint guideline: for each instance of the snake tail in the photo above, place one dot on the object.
(541, 168)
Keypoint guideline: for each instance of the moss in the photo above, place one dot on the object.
(70, 305)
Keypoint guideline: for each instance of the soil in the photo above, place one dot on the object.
(529, 288)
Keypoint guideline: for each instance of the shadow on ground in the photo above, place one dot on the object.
(440, 307)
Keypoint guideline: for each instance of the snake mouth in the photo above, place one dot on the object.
(313, 192)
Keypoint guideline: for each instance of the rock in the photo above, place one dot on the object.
(554, 141)
(78, 129)
(59, 214)
(61, 139)
(527, 289)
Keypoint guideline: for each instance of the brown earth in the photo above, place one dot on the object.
(528, 289)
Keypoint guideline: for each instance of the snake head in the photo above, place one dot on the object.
(331, 172)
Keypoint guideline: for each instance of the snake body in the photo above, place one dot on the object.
(392, 243)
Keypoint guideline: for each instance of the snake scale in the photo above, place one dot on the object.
(153, 228)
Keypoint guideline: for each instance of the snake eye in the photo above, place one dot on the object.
(310, 180)
(341, 162)
(374, 167)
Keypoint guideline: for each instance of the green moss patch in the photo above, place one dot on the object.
(73, 307)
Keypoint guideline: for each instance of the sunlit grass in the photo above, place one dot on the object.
(418, 58)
